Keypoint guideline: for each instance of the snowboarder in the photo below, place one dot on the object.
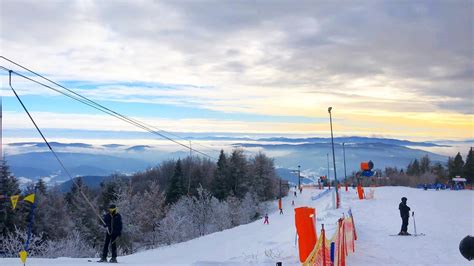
(405, 214)
(113, 223)
(266, 219)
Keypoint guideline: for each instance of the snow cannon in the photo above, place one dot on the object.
(366, 168)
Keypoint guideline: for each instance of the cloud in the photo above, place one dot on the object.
(268, 57)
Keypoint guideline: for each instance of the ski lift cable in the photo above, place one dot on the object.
(86, 103)
(101, 108)
(96, 212)
(91, 101)
(106, 110)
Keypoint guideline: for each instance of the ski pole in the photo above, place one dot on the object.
(414, 223)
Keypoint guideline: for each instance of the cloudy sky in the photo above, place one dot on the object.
(399, 69)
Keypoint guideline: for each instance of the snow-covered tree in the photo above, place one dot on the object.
(238, 173)
(177, 225)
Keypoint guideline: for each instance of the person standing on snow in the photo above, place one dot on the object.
(113, 223)
(266, 219)
(405, 214)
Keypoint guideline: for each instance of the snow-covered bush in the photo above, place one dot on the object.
(73, 245)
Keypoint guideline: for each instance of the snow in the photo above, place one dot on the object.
(444, 216)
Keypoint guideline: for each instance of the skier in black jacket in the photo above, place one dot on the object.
(405, 214)
(113, 223)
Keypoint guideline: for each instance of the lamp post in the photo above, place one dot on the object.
(299, 177)
(344, 155)
(327, 177)
(280, 187)
(333, 155)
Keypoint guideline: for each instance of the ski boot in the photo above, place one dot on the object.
(113, 260)
(102, 260)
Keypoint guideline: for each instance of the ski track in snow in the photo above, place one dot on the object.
(444, 216)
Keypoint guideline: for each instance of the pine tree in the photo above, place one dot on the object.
(469, 166)
(9, 186)
(219, 186)
(440, 172)
(458, 164)
(425, 164)
(238, 173)
(84, 217)
(175, 188)
(413, 168)
(264, 180)
(41, 186)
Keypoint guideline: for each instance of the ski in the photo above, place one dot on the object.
(98, 261)
(420, 234)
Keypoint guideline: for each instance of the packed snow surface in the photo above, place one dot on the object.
(444, 216)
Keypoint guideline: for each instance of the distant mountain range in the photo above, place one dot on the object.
(34, 165)
(352, 140)
(31, 160)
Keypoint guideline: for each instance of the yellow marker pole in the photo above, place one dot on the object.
(23, 255)
(14, 200)
(30, 198)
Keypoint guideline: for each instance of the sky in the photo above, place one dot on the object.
(401, 69)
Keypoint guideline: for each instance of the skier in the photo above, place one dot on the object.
(295, 193)
(113, 223)
(292, 203)
(281, 211)
(266, 219)
(405, 214)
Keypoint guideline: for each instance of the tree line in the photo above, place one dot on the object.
(424, 171)
(173, 202)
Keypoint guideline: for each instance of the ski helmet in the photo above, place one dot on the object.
(466, 247)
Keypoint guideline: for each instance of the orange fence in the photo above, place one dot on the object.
(333, 251)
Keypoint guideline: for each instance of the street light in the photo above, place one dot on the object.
(344, 155)
(299, 178)
(333, 156)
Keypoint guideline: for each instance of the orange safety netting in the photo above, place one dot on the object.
(343, 241)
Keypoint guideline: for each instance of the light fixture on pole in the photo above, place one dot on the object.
(333, 156)
(299, 178)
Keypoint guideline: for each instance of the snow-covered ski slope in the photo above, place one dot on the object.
(444, 216)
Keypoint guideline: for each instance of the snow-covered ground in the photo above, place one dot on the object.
(444, 216)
